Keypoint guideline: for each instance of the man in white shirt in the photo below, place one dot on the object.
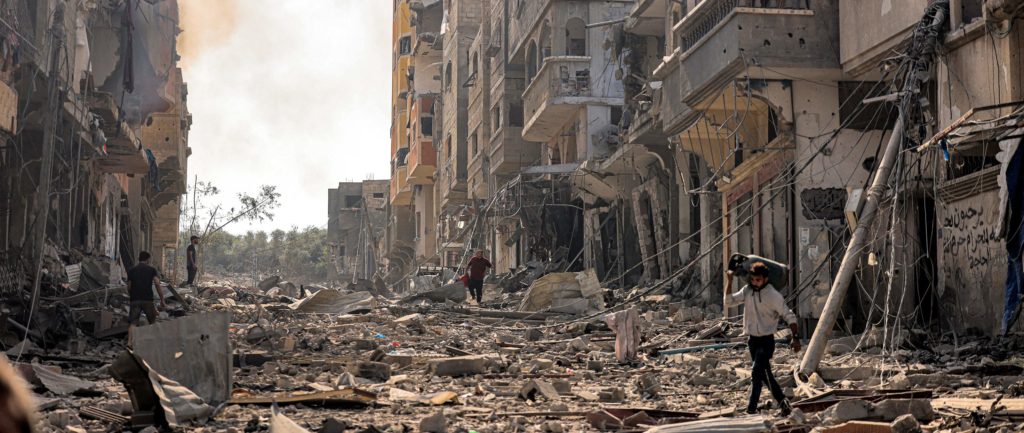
(763, 306)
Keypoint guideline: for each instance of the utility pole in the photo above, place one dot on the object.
(255, 269)
(921, 51)
(51, 111)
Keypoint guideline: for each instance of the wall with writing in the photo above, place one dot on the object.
(972, 262)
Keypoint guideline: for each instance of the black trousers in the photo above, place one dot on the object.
(476, 289)
(136, 308)
(761, 351)
(192, 275)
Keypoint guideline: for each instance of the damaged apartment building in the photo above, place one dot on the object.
(96, 124)
(656, 141)
(356, 223)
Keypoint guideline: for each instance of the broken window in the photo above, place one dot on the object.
(427, 126)
(448, 75)
(475, 140)
(405, 45)
(531, 61)
(515, 115)
(855, 115)
(616, 117)
(352, 201)
(378, 195)
(576, 37)
(495, 119)
(970, 10)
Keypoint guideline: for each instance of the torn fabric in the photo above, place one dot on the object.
(626, 325)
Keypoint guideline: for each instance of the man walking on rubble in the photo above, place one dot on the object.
(191, 262)
(141, 280)
(477, 270)
(763, 306)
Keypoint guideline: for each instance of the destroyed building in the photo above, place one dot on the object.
(356, 223)
(620, 162)
(96, 150)
(654, 140)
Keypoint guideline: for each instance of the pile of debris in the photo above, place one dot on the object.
(553, 359)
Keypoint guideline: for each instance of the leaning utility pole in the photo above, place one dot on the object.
(926, 37)
(51, 110)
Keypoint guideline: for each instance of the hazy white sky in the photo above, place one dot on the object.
(292, 93)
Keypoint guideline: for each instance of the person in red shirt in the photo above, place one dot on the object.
(476, 269)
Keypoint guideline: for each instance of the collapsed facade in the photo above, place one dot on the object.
(356, 220)
(653, 140)
(96, 143)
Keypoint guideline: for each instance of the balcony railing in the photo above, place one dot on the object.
(560, 85)
(710, 13)
(558, 77)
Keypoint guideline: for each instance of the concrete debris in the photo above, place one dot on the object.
(194, 351)
(648, 386)
(336, 302)
(906, 424)
(282, 424)
(886, 410)
(433, 399)
(61, 384)
(566, 292)
(269, 283)
(538, 388)
(377, 371)
(749, 424)
(453, 292)
(436, 423)
(391, 364)
(462, 365)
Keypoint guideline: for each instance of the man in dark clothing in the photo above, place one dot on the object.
(477, 270)
(141, 280)
(192, 263)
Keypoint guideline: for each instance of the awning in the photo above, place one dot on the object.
(990, 122)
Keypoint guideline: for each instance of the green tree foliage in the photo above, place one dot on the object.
(298, 255)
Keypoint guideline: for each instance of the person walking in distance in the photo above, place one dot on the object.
(763, 306)
(476, 269)
(192, 265)
(141, 280)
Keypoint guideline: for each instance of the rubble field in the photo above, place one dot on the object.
(540, 357)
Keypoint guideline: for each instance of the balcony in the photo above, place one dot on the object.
(401, 193)
(120, 149)
(478, 170)
(721, 40)
(453, 189)
(422, 162)
(509, 152)
(552, 99)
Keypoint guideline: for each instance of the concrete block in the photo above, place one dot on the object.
(373, 370)
(436, 423)
(536, 387)
(461, 365)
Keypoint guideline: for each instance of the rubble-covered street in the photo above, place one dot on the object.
(541, 216)
(357, 361)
